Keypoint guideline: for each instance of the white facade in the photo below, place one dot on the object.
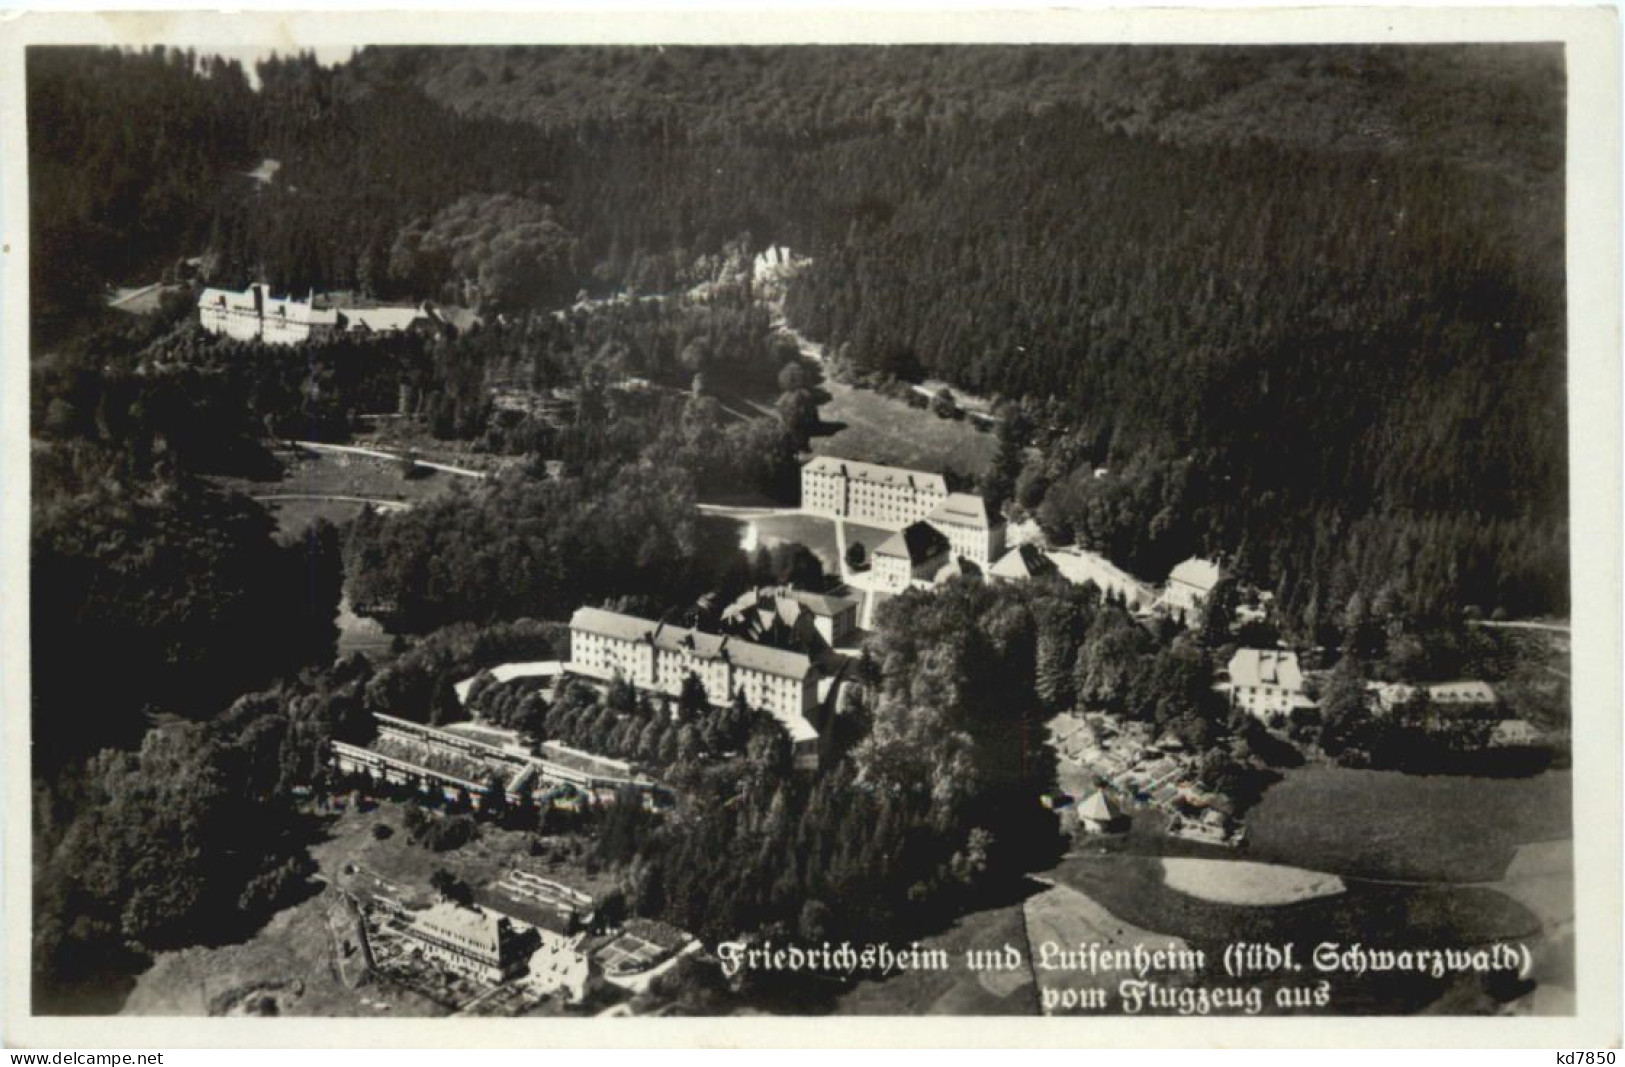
(1189, 586)
(972, 534)
(1266, 682)
(889, 497)
(471, 941)
(658, 657)
(256, 315)
(559, 966)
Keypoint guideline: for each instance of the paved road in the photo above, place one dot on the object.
(1548, 627)
(393, 505)
(374, 453)
(741, 511)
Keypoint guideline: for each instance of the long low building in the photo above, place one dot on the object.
(658, 657)
(255, 315)
(467, 757)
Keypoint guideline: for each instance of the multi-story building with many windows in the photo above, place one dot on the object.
(891, 497)
(658, 657)
(972, 533)
(469, 940)
(255, 315)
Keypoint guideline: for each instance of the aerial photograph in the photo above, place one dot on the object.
(568, 531)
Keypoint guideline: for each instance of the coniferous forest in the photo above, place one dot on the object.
(1305, 305)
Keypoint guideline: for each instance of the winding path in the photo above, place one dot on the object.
(1515, 624)
(374, 453)
(390, 505)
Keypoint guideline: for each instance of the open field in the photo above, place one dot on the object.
(1251, 884)
(317, 481)
(870, 427)
(1059, 920)
(1133, 889)
(818, 534)
(1541, 878)
(1407, 827)
(958, 990)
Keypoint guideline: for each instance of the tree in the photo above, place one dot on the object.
(692, 700)
(444, 707)
(451, 888)
(857, 557)
(1344, 706)
(495, 802)
(798, 411)
(793, 378)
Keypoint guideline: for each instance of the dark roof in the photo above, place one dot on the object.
(916, 542)
(696, 642)
(924, 481)
(961, 509)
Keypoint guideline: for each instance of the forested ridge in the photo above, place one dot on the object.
(1326, 283)
(1302, 309)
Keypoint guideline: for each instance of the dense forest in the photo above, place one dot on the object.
(1306, 304)
(1300, 308)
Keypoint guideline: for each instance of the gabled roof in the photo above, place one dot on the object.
(820, 603)
(382, 320)
(874, 472)
(1266, 667)
(961, 509)
(611, 624)
(691, 641)
(1199, 574)
(1077, 567)
(1099, 807)
(1023, 561)
(916, 542)
(474, 929)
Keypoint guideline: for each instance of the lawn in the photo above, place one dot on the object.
(312, 480)
(863, 425)
(958, 990)
(818, 534)
(1251, 884)
(1383, 824)
(1133, 888)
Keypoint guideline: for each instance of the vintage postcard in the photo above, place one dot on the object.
(1097, 528)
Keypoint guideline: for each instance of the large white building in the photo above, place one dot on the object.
(1266, 682)
(1190, 584)
(470, 940)
(255, 315)
(789, 617)
(658, 657)
(972, 533)
(891, 497)
(913, 556)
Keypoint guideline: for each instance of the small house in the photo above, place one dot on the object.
(1099, 814)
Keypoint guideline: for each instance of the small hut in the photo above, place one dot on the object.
(1099, 815)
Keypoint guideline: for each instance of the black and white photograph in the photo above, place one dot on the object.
(572, 530)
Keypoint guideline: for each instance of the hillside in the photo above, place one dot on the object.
(1306, 303)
